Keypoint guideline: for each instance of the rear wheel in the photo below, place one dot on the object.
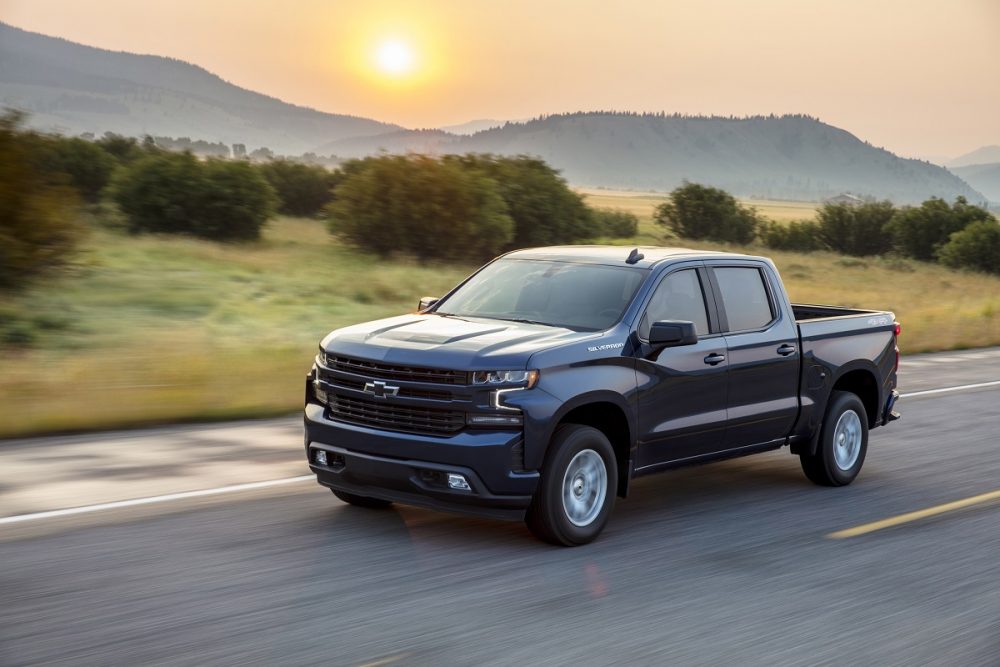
(577, 489)
(843, 442)
(361, 501)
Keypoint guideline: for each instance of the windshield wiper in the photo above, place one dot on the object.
(525, 321)
(451, 315)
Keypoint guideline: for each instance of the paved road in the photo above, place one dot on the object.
(724, 564)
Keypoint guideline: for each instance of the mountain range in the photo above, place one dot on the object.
(74, 89)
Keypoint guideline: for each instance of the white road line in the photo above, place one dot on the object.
(86, 509)
(945, 390)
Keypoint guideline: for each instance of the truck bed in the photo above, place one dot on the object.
(808, 311)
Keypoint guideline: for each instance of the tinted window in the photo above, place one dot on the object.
(588, 297)
(744, 298)
(678, 297)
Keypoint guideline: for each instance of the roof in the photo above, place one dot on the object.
(613, 255)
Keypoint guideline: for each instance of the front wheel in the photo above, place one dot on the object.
(843, 442)
(578, 487)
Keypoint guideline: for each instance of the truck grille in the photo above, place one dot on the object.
(395, 417)
(393, 372)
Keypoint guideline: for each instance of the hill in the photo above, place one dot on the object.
(73, 88)
(780, 157)
(983, 177)
(982, 155)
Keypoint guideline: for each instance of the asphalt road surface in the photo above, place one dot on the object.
(727, 564)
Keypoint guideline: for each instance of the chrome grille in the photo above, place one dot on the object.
(405, 392)
(394, 372)
(396, 417)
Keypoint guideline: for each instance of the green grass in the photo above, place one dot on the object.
(151, 330)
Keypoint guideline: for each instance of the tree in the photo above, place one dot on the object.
(544, 209)
(302, 189)
(921, 231)
(174, 193)
(80, 163)
(856, 229)
(420, 205)
(696, 211)
(39, 231)
(977, 247)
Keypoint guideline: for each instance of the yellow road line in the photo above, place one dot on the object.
(915, 516)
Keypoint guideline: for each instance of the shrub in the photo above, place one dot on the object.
(856, 229)
(302, 189)
(615, 223)
(700, 212)
(174, 193)
(977, 247)
(420, 205)
(39, 230)
(798, 236)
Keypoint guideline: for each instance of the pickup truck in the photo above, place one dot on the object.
(540, 386)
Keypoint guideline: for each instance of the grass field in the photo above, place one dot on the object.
(155, 329)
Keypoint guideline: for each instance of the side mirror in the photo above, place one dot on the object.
(672, 333)
(426, 302)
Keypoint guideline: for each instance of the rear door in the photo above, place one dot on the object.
(682, 390)
(763, 354)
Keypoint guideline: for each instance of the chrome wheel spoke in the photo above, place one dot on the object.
(585, 487)
(847, 440)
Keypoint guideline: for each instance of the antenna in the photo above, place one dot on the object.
(634, 256)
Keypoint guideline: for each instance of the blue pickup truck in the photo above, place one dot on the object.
(539, 387)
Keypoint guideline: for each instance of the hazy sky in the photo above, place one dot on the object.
(920, 77)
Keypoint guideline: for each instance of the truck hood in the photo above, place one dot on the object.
(449, 342)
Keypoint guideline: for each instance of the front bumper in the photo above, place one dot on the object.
(412, 469)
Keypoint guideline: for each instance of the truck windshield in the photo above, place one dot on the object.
(583, 297)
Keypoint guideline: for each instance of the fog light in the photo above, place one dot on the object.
(320, 457)
(494, 420)
(320, 394)
(458, 482)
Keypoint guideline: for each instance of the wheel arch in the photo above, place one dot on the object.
(610, 415)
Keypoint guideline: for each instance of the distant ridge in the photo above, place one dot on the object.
(791, 157)
(73, 88)
(982, 155)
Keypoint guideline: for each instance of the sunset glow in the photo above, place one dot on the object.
(394, 57)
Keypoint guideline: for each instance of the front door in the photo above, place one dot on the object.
(682, 390)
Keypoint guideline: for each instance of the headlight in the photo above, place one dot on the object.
(526, 379)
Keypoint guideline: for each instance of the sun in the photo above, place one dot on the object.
(394, 57)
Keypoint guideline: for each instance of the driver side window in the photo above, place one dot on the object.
(679, 296)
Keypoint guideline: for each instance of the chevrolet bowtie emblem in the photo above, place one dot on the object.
(380, 389)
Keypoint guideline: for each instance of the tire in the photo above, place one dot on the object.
(361, 501)
(843, 442)
(578, 487)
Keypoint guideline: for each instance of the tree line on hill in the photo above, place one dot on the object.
(959, 235)
(453, 207)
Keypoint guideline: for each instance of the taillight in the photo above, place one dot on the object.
(898, 329)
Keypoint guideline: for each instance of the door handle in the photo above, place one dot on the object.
(786, 349)
(715, 358)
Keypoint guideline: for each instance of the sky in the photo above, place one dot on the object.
(919, 77)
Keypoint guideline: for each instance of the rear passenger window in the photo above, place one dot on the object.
(744, 297)
(678, 297)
